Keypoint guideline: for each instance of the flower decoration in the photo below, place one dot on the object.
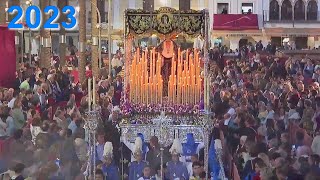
(144, 113)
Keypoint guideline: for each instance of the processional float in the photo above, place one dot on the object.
(166, 86)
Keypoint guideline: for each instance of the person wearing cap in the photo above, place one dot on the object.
(131, 146)
(136, 167)
(176, 170)
(110, 170)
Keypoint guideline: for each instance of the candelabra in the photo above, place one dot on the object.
(207, 125)
(219, 153)
(91, 124)
(164, 123)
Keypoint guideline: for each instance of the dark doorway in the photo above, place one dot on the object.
(301, 42)
(243, 42)
(276, 41)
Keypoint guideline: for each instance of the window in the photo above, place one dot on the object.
(89, 17)
(286, 10)
(148, 5)
(222, 8)
(104, 17)
(274, 10)
(184, 5)
(299, 10)
(247, 8)
(102, 6)
(312, 10)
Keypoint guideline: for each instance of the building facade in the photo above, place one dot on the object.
(289, 23)
(117, 19)
(293, 22)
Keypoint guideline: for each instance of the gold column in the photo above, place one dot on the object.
(45, 54)
(94, 35)
(82, 39)
(62, 33)
(2, 12)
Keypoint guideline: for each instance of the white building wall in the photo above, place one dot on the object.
(235, 7)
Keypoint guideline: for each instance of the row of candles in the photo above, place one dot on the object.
(184, 86)
(146, 84)
(91, 93)
(146, 87)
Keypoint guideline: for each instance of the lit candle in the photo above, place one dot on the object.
(89, 94)
(161, 90)
(156, 92)
(169, 89)
(131, 90)
(141, 89)
(194, 90)
(208, 93)
(94, 91)
(146, 89)
(175, 89)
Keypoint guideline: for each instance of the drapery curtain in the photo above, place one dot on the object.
(7, 57)
(235, 21)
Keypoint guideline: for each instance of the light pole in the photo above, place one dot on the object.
(109, 36)
(94, 40)
(29, 3)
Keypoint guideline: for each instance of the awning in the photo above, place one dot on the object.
(235, 21)
(292, 32)
(236, 33)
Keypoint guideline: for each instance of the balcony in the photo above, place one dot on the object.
(235, 22)
(276, 22)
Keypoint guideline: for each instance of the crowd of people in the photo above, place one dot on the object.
(268, 110)
(266, 114)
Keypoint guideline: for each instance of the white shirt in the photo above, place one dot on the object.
(142, 178)
(11, 102)
(198, 43)
(232, 113)
(315, 146)
(35, 130)
(189, 168)
(115, 62)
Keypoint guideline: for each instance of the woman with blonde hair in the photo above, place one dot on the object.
(265, 158)
(110, 94)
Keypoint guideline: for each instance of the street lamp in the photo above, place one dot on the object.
(94, 40)
(109, 36)
(29, 3)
